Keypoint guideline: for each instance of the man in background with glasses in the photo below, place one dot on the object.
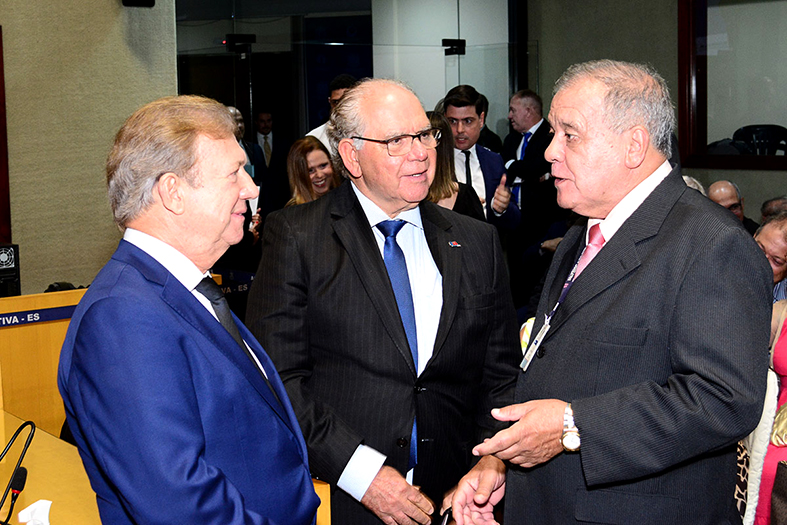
(726, 194)
(388, 317)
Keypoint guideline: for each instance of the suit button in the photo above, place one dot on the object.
(540, 352)
(418, 389)
(401, 442)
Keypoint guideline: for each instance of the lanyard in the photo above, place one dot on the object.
(536, 343)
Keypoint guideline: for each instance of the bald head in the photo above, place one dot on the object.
(240, 126)
(725, 193)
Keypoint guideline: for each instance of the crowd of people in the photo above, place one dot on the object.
(559, 331)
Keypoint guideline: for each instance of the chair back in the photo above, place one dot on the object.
(763, 139)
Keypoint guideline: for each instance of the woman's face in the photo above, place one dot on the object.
(320, 172)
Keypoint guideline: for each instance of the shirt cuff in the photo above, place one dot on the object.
(360, 471)
(492, 206)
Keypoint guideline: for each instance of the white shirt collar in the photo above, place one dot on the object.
(629, 204)
(458, 152)
(174, 261)
(532, 130)
(375, 215)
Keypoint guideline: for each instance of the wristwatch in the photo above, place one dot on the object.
(570, 439)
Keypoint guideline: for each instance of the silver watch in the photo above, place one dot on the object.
(570, 439)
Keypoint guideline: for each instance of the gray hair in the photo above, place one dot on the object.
(636, 95)
(160, 138)
(779, 220)
(347, 120)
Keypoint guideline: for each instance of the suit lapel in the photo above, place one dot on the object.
(449, 262)
(183, 302)
(177, 297)
(352, 228)
(619, 257)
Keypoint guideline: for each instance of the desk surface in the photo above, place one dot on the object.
(54, 472)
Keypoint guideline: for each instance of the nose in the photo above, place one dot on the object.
(419, 151)
(248, 188)
(554, 153)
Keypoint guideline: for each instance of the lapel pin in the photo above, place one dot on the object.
(454, 244)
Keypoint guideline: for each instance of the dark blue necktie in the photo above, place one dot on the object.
(524, 144)
(400, 281)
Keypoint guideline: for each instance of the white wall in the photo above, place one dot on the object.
(746, 68)
(407, 37)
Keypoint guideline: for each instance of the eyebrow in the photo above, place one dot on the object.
(402, 134)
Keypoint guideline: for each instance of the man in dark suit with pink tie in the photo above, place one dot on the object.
(648, 361)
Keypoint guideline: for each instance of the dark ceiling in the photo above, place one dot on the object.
(196, 10)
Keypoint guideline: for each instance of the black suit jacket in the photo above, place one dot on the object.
(661, 347)
(324, 308)
(539, 210)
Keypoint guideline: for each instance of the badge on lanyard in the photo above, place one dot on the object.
(533, 348)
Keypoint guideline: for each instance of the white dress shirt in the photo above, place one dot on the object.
(475, 169)
(426, 285)
(629, 204)
(181, 267)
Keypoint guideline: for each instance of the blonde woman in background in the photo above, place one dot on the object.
(310, 171)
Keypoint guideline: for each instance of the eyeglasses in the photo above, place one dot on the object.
(735, 207)
(403, 144)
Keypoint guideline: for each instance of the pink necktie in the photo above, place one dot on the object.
(596, 242)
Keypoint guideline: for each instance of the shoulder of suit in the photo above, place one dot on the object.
(449, 219)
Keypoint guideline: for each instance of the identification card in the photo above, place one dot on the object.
(533, 348)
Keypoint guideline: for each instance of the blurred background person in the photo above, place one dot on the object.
(309, 170)
(336, 89)
(445, 190)
(772, 206)
(728, 195)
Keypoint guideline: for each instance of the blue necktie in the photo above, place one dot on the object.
(524, 145)
(400, 281)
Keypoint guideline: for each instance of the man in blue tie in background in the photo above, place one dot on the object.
(534, 193)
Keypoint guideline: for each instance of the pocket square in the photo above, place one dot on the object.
(454, 244)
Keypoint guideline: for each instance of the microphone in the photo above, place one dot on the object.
(17, 486)
(18, 481)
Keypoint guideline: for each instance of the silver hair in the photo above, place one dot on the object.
(347, 120)
(693, 183)
(160, 138)
(636, 95)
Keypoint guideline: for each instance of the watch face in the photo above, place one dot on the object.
(571, 441)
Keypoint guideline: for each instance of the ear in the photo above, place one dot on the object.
(349, 156)
(170, 192)
(482, 118)
(637, 147)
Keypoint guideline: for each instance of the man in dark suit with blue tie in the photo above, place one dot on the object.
(648, 357)
(178, 413)
(534, 193)
(476, 165)
(388, 317)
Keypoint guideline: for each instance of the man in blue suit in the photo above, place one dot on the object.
(178, 413)
(476, 165)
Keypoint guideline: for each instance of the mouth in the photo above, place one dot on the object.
(419, 175)
(319, 183)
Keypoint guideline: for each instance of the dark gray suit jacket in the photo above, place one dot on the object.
(661, 346)
(324, 308)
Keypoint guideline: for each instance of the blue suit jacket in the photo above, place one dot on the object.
(173, 421)
(493, 169)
